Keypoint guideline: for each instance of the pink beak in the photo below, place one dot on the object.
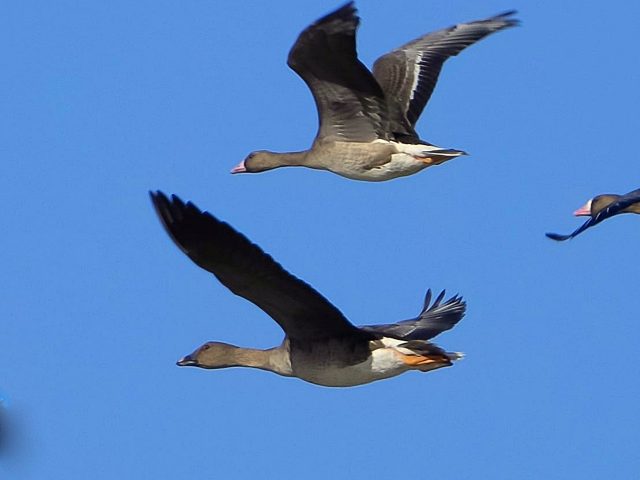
(240, 168)
(583, 211)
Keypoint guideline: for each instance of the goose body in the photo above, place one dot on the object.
(374, 162)
(367, 118)
(320, 346)
(385, 358)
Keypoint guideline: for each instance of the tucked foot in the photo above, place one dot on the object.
(426, 363)
(432, 160)
(441, 155)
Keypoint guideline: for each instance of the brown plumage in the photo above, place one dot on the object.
(367, 119)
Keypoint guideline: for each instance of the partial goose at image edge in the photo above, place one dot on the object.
(600, 208)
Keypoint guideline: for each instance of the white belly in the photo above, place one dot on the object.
(383, 363)
(401, 165)
(406, 161)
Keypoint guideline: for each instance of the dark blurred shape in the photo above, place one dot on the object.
(14, 451)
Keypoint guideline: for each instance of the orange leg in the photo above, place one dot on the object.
(433, 160)
(426, 160)
(425, 362)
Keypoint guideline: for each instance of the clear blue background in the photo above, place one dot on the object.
(102, 101)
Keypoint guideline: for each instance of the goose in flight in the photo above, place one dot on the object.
(367, 119)
(600, 208)
(320, 346)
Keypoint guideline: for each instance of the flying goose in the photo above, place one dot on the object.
(367, 120)
(600, 208)
(320, 346)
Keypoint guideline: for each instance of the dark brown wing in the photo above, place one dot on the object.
(409, 74)
(630, 198)
(247, 271)
(350, 103)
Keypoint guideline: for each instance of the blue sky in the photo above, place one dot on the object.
(104, 101)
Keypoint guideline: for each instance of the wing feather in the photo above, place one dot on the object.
(351, 105)
(409, 74)
(247, 271)
(432, 320)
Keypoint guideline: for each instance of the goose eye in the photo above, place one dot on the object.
(205, 347)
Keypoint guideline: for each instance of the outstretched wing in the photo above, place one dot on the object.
(247, 271)
(351, 105)
(409, 74)
(432, 321)
(561, 238)
(613, 209)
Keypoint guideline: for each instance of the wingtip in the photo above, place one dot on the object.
(157, 197)
(347, 10)
(350, 5)
(557, 237)
(439, 299)
(170, 208)
(456, 301)
(507, 13)
(506, 18)
(427, 300)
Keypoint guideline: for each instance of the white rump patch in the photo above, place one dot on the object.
(416, 150)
